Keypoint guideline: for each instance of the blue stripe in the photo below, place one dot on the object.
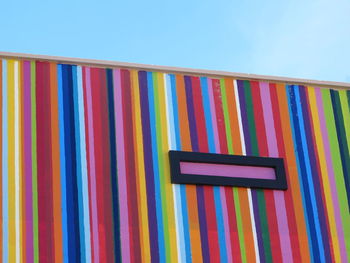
(176, 188)
(79, 174)
(63, 165)
(152, 114)
(5, 219)
(211, 144)
(301, 172)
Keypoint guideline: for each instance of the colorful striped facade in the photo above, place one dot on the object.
(85, 168)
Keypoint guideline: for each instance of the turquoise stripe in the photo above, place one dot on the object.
(207, 114)
(211, 144)
(180, 233)
(309, 175)
(63, 165)
(181, 189)
(5, 217)
(83, 163)
(299, 175)
(161, 241)
(79, 169)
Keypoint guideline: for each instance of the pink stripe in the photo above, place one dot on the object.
(93, 199)
(213, 115)
(222, 189)
(226, 225)
(228, 170)
(28, 162)
(280, 204)
(330, 172)
(124, 222)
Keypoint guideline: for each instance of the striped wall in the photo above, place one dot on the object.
(85, 171)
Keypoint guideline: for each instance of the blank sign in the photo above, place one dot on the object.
(227, 170)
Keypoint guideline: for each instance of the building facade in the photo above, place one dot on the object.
(85, 174)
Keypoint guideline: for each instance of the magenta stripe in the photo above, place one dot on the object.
(28, 162)
(93, 199)
(213, 115)
(123, 204)
(228, 170)
(222, 189)
(280, 204)
(226, 224)
(330, 173)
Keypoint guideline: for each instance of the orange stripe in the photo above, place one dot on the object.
(56, 165)
(231, 102)
(293, 172)
(247, 224)
(190, 189)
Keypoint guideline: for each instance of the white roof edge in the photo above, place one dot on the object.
(201, 72)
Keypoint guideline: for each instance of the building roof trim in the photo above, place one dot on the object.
(177, 70)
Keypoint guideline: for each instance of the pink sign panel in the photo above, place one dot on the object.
(228, 170)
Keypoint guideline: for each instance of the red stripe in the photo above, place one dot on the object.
(135, 246)
(98, 141)
(220, 116)
(106, 166)
(44, 163)
(236, 250)
(287, 194)
(212, 231)
(224, 149)
(263, 151)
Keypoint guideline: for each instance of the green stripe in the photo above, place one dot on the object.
(34, 164)
(260, 193)
(226, 116)
(240, 225)
(161, 166)
(230, 151)
(337, 166)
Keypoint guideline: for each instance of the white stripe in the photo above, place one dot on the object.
(83, 165)
(248, 190)
(17, 151)
(172, 143)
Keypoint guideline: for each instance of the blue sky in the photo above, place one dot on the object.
(300, 38)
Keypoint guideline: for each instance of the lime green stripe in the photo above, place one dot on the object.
(337, 166)
(230, 151)
(161, 166)
(34, 165)
(240, 225)
(226, 116)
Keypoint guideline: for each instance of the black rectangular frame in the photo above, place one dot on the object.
(177, 177)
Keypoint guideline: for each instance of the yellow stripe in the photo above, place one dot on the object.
(324, 173)
(166, 176)
(141, 182)
(11, 162)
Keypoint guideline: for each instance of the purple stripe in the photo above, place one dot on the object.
(28, 162)
(199, 189)
(244, 117)
(148, 161)
(258, 224)
(315, 173)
